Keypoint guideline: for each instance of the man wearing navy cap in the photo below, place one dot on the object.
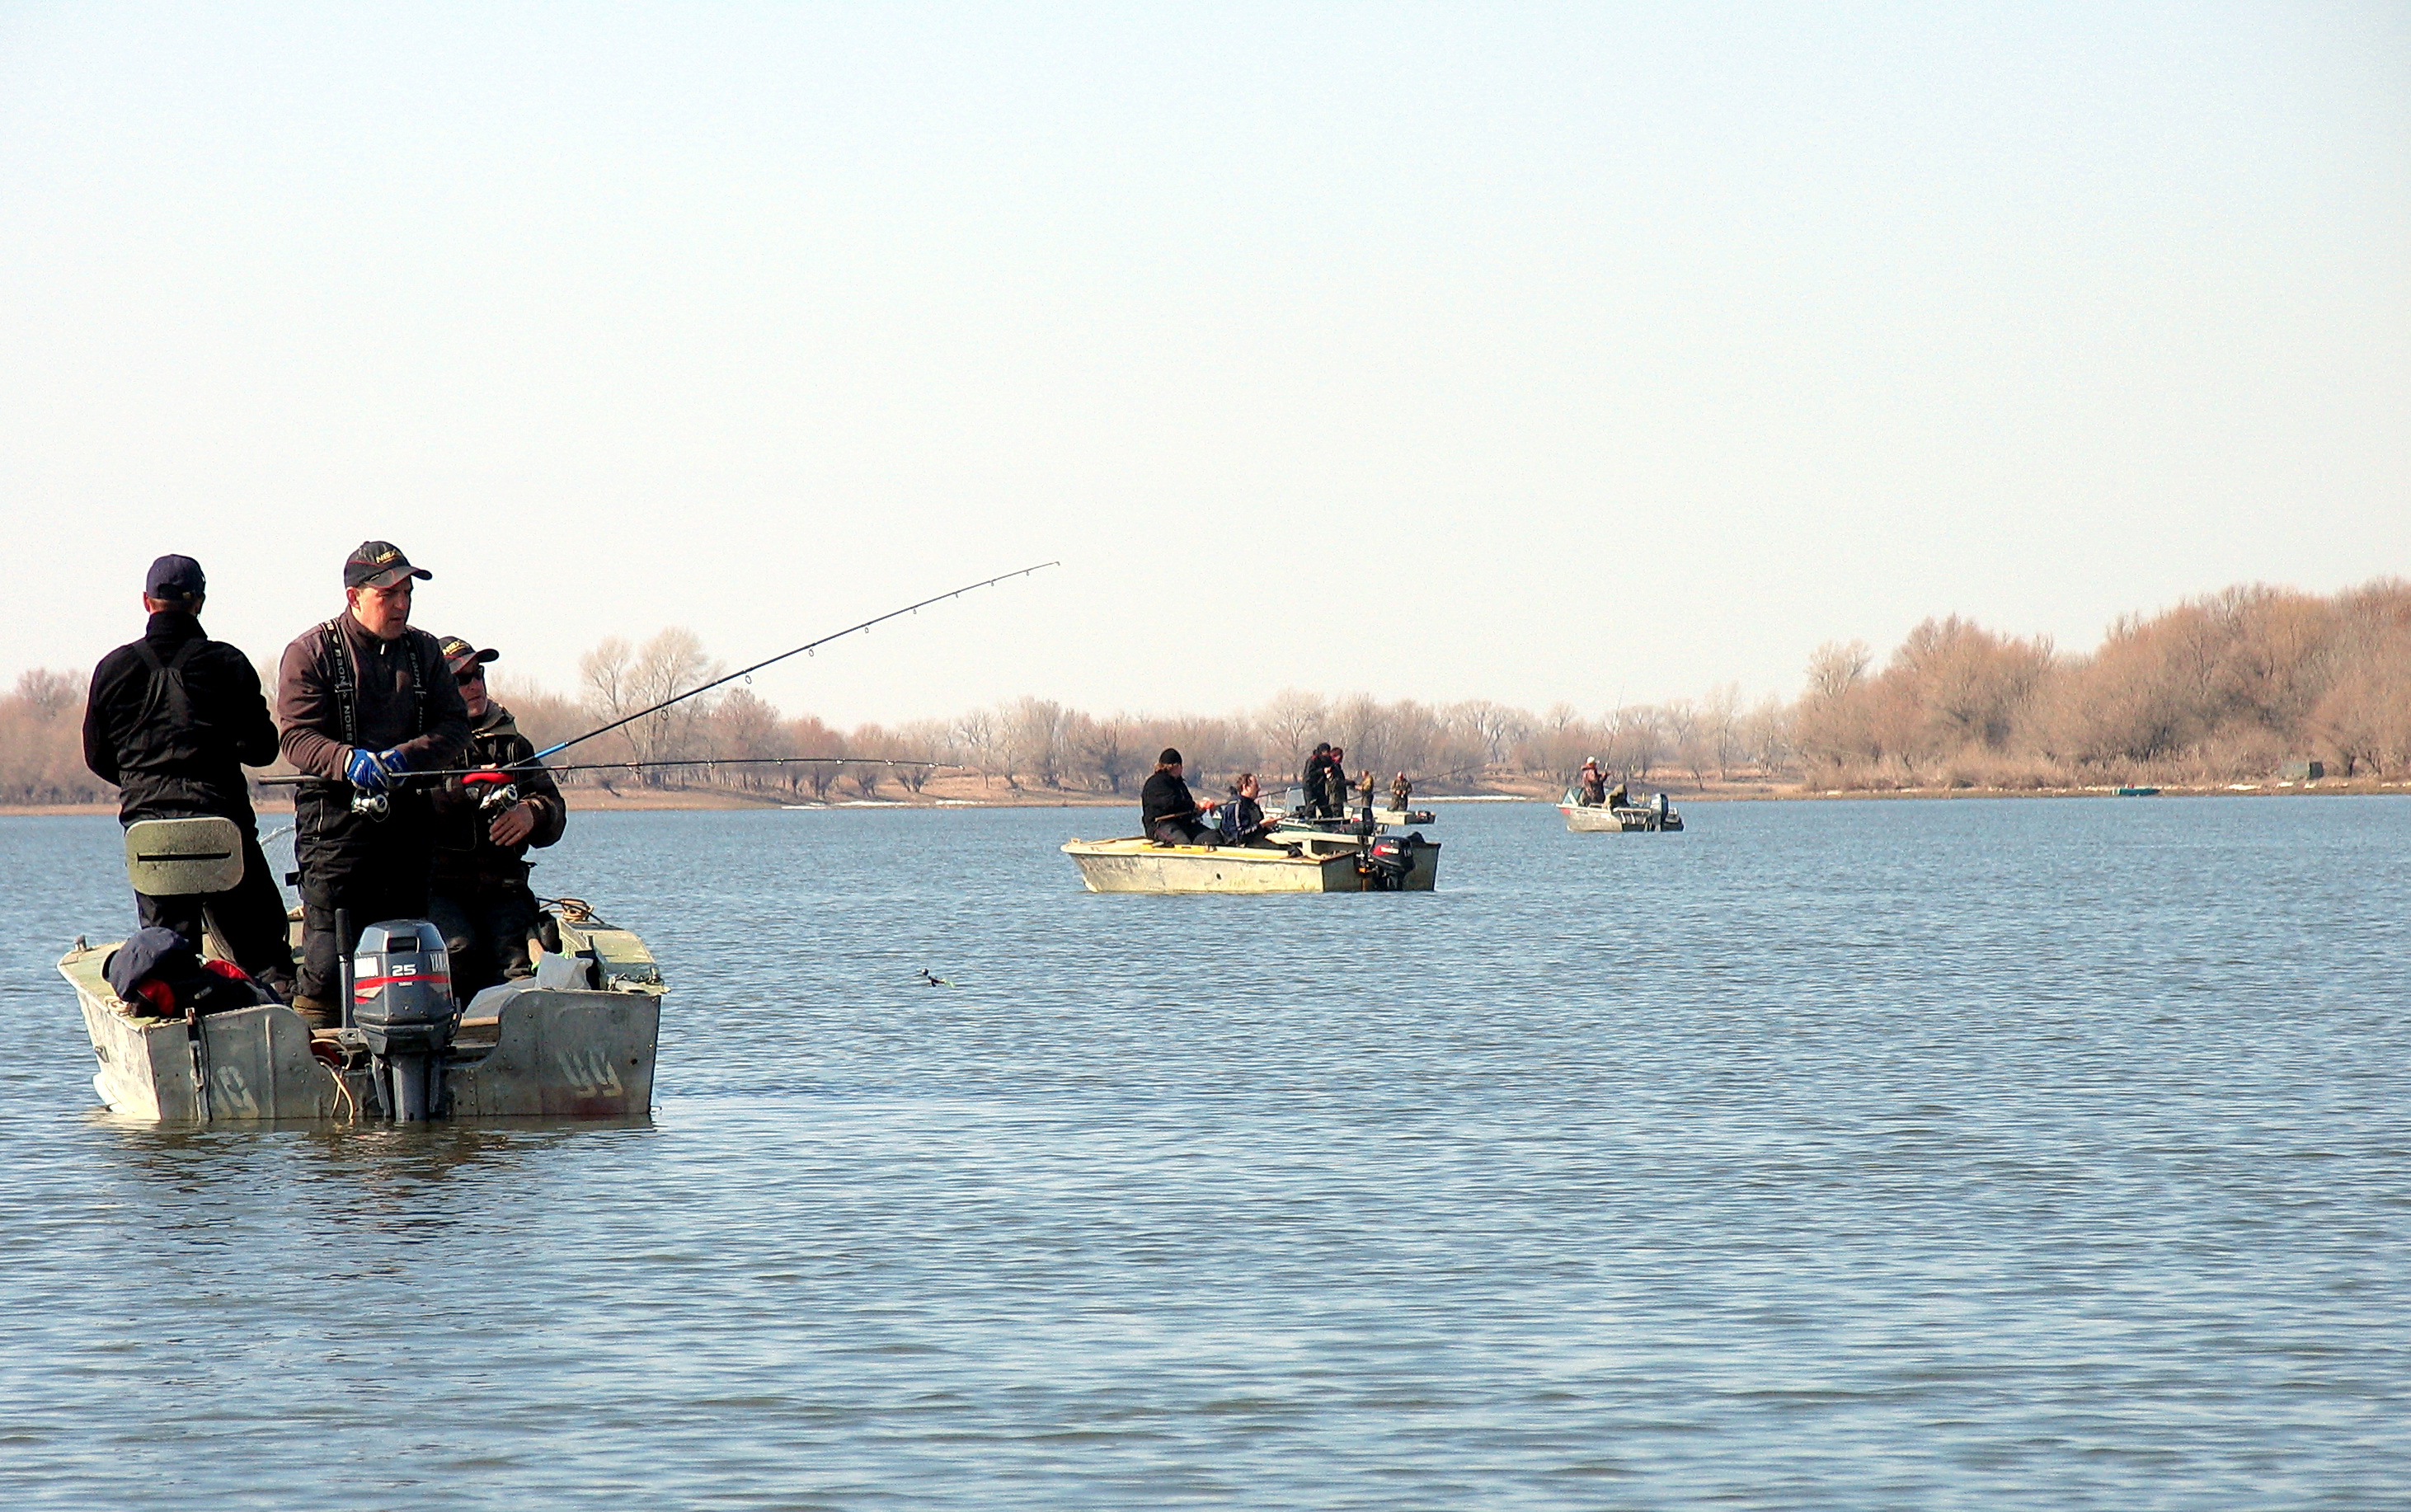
(364, 700)
(172, 719)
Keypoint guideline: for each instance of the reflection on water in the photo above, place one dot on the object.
(2005, 1153)
(409, 1181)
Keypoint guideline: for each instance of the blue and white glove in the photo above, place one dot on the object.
(374, 771)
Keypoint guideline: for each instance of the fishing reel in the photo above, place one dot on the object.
(372, 804)
(494, 790)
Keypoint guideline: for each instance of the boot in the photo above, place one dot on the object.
(316, 1011)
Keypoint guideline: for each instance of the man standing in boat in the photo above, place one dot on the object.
(1168, 814)
(364, 700)
(484, 826)
(172, 719)
(1593, 783)
(1316, 779)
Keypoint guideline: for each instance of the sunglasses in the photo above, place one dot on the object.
(472, 674)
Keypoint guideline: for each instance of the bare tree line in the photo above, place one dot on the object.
(2219, 689)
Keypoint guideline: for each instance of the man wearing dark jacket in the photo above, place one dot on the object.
(1168, 813)
(1314, 778)
(364, 701)
(172, 719)
(484, 826)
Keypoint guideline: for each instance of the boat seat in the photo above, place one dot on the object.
(178, 857)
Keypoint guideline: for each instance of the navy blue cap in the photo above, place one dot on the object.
(175, 577)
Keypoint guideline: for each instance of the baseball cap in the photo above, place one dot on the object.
(175, 577)
(461, 656)
(378, 564)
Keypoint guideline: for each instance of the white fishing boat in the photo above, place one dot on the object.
(578, 1042)
(1308, 861)
(1594, 819)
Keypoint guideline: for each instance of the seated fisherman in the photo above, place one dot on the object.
(1618, 797)
(1242, 817)
(480, 898)
(1593, 783)
(1167, 813)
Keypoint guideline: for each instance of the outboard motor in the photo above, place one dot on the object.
(404, 1011)
(1386, 864)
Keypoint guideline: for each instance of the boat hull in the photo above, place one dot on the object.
(1139, 866)
(1586, 819)
(542, 1054)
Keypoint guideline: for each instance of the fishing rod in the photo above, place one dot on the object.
(294, 779)
(808, 645)
(695, 761)
(716, 682)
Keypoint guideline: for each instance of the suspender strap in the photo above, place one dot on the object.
(417, 691)
(347, 685)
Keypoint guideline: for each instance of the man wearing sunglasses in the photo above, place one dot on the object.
(362, 701)
(485, 824)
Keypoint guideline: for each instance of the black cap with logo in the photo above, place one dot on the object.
(378, 564)
(461, 656)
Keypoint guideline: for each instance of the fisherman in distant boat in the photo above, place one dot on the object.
(1168, 813)
(1334, 784)
(1315, 780)
(1593, 783)
(171, 720)
(364, 700)
(1243, 821)
(485, 824)
(1620, 796)
(1400, 790)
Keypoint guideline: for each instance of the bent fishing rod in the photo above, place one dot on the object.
(772, 660)
(716, 682)
(691, 761)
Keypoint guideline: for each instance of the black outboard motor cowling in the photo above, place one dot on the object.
(404, 1008)
(1387, 862)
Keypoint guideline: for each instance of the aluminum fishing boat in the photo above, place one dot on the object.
(575, 1041)
(1594, 819)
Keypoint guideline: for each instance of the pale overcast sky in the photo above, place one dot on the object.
(1593, 353)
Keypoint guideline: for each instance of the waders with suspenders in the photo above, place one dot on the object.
(347, 701)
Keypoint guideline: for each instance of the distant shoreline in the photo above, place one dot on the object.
(589, 801)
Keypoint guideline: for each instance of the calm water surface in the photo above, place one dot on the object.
(1983, 1155)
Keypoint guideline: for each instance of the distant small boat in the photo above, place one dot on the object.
(1596, 819)
(2139, 793)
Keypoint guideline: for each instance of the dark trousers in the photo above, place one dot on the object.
(1184, 832)
(248, 918)
(369, 869)
(486, 927)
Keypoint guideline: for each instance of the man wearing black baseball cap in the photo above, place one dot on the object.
(484, 826)
(364, 701)
(172, 719)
